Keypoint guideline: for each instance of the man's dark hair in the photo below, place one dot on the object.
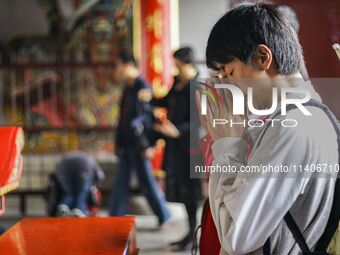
(185, 55)
(238, 33)
(127, 57)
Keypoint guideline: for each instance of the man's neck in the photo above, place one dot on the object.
(263, 100)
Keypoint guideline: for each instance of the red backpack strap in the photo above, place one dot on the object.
(209, 242)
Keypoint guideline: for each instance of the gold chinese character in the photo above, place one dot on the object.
(155, 23)
(156, 61)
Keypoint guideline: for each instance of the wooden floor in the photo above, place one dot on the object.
(70, 236)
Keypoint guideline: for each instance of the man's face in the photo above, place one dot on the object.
(184, 70)
(246, 75)
(179, 66)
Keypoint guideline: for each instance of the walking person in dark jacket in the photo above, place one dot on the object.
(180, 152)
(133, 147)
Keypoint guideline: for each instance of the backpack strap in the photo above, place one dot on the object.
(294, 229)
(266, 247)
(333, 219)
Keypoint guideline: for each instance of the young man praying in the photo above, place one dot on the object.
(253, 45)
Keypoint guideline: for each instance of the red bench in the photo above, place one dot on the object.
(70, 236)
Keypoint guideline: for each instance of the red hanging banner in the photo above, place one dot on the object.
(156, 58)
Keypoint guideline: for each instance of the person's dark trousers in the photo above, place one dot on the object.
(191, 208)
(129, 159)
(2, 230)
(77, 192)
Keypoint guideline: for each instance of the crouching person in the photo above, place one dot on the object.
(75, 175)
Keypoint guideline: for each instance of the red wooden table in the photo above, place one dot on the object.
(70, 236)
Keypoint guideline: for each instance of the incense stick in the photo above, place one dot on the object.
(336, 47)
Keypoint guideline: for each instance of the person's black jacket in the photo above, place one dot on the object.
(182, 112)
(135, 118)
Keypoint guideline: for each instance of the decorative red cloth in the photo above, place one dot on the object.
(12, 143)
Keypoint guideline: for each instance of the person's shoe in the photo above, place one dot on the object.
(77, 213)
(182, 245)
(63, 211)
(166, 224)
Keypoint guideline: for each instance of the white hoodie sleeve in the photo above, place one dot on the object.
(247, 210)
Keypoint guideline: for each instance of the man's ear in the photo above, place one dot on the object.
(264, 56)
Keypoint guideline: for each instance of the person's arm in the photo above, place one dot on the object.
(192, 125)
(139, 128)
(162, 102)
(190, 121)
(141, 123)
(247, 210)
(98, 172)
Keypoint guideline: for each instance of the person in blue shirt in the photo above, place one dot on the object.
(133, 146)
